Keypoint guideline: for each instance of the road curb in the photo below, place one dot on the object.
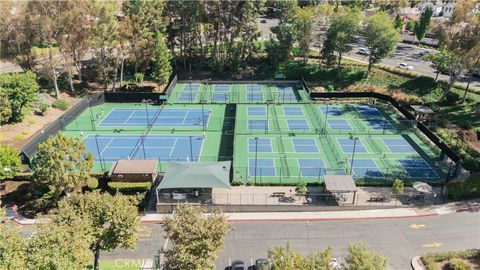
(417, 263)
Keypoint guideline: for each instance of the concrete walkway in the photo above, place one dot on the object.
(433, 210)
(472, 205)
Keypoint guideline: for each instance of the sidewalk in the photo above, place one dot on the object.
(434, 210)
(472, 205)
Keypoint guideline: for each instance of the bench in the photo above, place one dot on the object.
(278, 194)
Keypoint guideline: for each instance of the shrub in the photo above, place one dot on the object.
(92, 183)
(431, 259)
(19, 137)
(398, 187)
(43, 107)
(465, 190)
(458, 264)
(139, 77)
(130, 187)
(60, 104)
(301, 188)
(237, 183)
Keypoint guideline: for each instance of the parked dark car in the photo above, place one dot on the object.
(262, 264)
(238, 265)
(263, 21)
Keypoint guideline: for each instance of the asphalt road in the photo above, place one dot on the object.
(393, 237)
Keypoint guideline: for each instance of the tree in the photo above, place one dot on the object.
(460, 36)
(381, 37)
(284, 258)
(341, 34)
(439, 61)
(322, 17)
(398, 187)
(360, 258)
(162, 66)
(12, 249)
(280, 45)
(196, 240)
(61, 163)
(110, 221)
(22, 91)
(303, 23)
(422, 25)
(9, 162)
(5, 110)
(59, 246)
(398, 23)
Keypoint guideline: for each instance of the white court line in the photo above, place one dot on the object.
(201, 149)
(173, 147)
(106, 146)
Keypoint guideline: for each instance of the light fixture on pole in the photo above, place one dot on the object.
(353, 152)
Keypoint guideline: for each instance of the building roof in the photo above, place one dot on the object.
(196, 175)
(130, 166)
(339, 183)
(422, 109)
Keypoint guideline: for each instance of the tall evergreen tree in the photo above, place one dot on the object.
(421, 27)
(162, 58)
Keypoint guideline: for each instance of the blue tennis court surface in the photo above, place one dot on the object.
(380, 124)
(191, 87)
(264, 167)
(188, 96)
(261, 145)
(257, 124)
(222, 87)
(365, 167)
(256, 111)
(417, 168)
(254, 87)
(367, 111)
(286, 93)
(163, 117)
(339, 125)
(254, 97)
(347, 146)
(220, 97)
(311, 167)
(293, 111)
(331, 111)
(163, 148)
(300, 124)
(399, 145)
(305, 145)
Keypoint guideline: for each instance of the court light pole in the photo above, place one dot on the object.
(353, 153)
(99, 154)
(145, 101)
(326, 119)
(191, 94)
(191, 149)
(256, 157)
(203, 101)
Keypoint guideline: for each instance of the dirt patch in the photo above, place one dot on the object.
(18, 134)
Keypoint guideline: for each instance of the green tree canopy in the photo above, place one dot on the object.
(9, 162)
(56, 246)
(421, 27)
(22, 91)
(398, 23)
(5, 109)
(280, 45)
(439, 61)
(110, 221)
(381, 37)
(196, 239)
(12, 248)
(61, 163)
(360, 258)
(303, 24)
(398, 186)
(162, 66)
(284, 258)
(344, 26)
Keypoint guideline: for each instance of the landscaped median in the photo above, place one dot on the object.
(450, 260)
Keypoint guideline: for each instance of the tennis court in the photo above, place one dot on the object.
(158, 117)
(399, 145)
(365, 167)
(311, 167)
(368, 111)
(347, 146)
(417, 168)
(162, 148)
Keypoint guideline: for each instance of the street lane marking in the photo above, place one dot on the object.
(417, 226)
(432, 245)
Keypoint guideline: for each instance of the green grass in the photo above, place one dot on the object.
(465, 190)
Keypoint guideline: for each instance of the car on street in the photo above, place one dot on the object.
(363, 51)
(263, 21)
(405, 66)
(425, 52)
(238, 265)
(262, 264)
(334, 263)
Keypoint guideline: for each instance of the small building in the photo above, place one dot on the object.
(423, 113)
(134, 171)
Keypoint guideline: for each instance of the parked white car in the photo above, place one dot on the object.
(363, 51)
(405, 66)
